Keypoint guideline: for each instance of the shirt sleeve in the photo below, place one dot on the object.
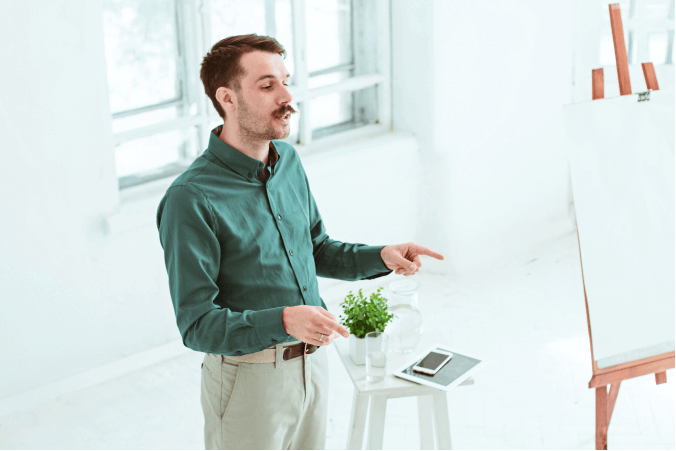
(339, 260)
(192, 255)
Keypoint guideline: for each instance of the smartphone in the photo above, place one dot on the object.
(433, 362)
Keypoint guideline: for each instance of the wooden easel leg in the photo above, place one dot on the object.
(612, 397)
(601, 418)
(597, 84)
(621, 60)
(605, 404)
(650, 77)
(660, 378)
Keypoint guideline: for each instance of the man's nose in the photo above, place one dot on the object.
(285, 96)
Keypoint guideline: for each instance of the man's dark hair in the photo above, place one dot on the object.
(221, 67)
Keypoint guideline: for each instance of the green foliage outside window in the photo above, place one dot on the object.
(365, 315)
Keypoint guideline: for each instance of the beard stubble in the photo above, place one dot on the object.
(257, 127)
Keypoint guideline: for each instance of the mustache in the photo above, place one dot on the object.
(283, 110)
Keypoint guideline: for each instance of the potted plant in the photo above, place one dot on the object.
(362, 316)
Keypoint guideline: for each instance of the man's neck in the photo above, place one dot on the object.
(249, 146)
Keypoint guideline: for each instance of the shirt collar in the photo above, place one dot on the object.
(244, 165)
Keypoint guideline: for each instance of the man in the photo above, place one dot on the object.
(244, 243)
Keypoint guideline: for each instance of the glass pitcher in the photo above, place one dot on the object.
(406, 328)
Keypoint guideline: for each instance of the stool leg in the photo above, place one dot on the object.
(426, 422)
(377, 421)
(441, 421)
(355, 435)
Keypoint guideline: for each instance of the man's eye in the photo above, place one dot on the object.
(285, 84)
(267, 87)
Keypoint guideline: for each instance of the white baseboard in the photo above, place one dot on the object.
(109, 371)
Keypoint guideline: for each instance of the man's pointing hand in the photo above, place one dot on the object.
(309, 323)
(405, 258)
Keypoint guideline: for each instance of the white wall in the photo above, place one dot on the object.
(81, 287)
(485, 102)
(480, 84)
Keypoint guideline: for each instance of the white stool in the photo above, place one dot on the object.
(433, 419)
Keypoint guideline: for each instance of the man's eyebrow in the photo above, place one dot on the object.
(263, 77)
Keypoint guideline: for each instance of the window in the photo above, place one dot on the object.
(648, 32)
(648, 35)
(337, 54)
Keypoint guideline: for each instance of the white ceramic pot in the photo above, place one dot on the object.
(357, 350)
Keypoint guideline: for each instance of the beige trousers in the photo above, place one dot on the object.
(278, 405)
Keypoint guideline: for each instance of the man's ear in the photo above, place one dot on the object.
(226, 97)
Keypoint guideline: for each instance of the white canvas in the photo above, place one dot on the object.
(621, 155)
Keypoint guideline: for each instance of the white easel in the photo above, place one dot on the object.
(595, 188)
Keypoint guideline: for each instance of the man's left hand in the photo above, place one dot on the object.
(405, 258)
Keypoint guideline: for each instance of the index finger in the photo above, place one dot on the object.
(422, 250)
(333, 325)
(330, 322)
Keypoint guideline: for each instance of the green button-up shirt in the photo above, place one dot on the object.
(238, 250)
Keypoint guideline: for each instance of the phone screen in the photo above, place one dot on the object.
(432, 360)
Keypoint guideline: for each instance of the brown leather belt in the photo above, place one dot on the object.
(268, 355)
(298, 350)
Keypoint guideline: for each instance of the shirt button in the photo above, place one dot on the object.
(274, 341)
(304, 288)
(290, 252)
(279, 217)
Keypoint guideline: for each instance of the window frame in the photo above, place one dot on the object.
(193, 34)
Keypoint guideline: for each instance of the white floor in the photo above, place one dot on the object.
(527, 317)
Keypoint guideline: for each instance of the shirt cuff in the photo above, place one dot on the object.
(269, 327)
(371, 261)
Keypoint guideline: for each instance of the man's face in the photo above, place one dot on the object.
(263, 110)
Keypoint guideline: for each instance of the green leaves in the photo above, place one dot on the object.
(362, 315)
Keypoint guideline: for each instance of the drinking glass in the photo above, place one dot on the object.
(376, 356)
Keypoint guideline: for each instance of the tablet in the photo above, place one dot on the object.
(452, 374)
